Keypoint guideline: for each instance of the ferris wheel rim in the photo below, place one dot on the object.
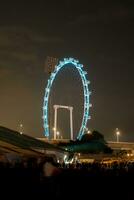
(75, 63)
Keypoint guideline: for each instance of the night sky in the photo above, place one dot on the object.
(100, 34)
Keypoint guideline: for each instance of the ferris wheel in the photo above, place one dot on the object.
(86, 116)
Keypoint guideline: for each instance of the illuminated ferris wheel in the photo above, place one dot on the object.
(86, 116)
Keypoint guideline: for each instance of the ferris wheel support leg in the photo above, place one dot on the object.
(55, 122)
(71, 122)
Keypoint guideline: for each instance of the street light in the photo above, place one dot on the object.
(54, 129)
(117, 134)
(58, 134)
(89, 132)
(21, 129)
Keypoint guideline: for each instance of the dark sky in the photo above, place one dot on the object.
(100, 34)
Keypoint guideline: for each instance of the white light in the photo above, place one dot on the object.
(72, 161)
(118, 133)
(47, 89)
(87, 105)
(44, 117)
(89, 117)
(80, 65)
(61, 63)
(71, 59)
(52, 74)
(76, 61)
(65, 156)
(65, 60)
(45, 108)
(21, 129)
(89, 132)
(57, 68)
(58, 133)
(85, 72)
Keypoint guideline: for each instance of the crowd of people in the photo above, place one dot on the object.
(43, 176)
(113, 168)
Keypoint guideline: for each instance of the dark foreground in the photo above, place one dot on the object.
(94, 181)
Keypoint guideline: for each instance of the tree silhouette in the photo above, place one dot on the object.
(94, 136)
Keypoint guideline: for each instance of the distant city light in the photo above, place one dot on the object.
(54, 129)
(58, 134)
(88, 131)
(21, 128)
(117, 134)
